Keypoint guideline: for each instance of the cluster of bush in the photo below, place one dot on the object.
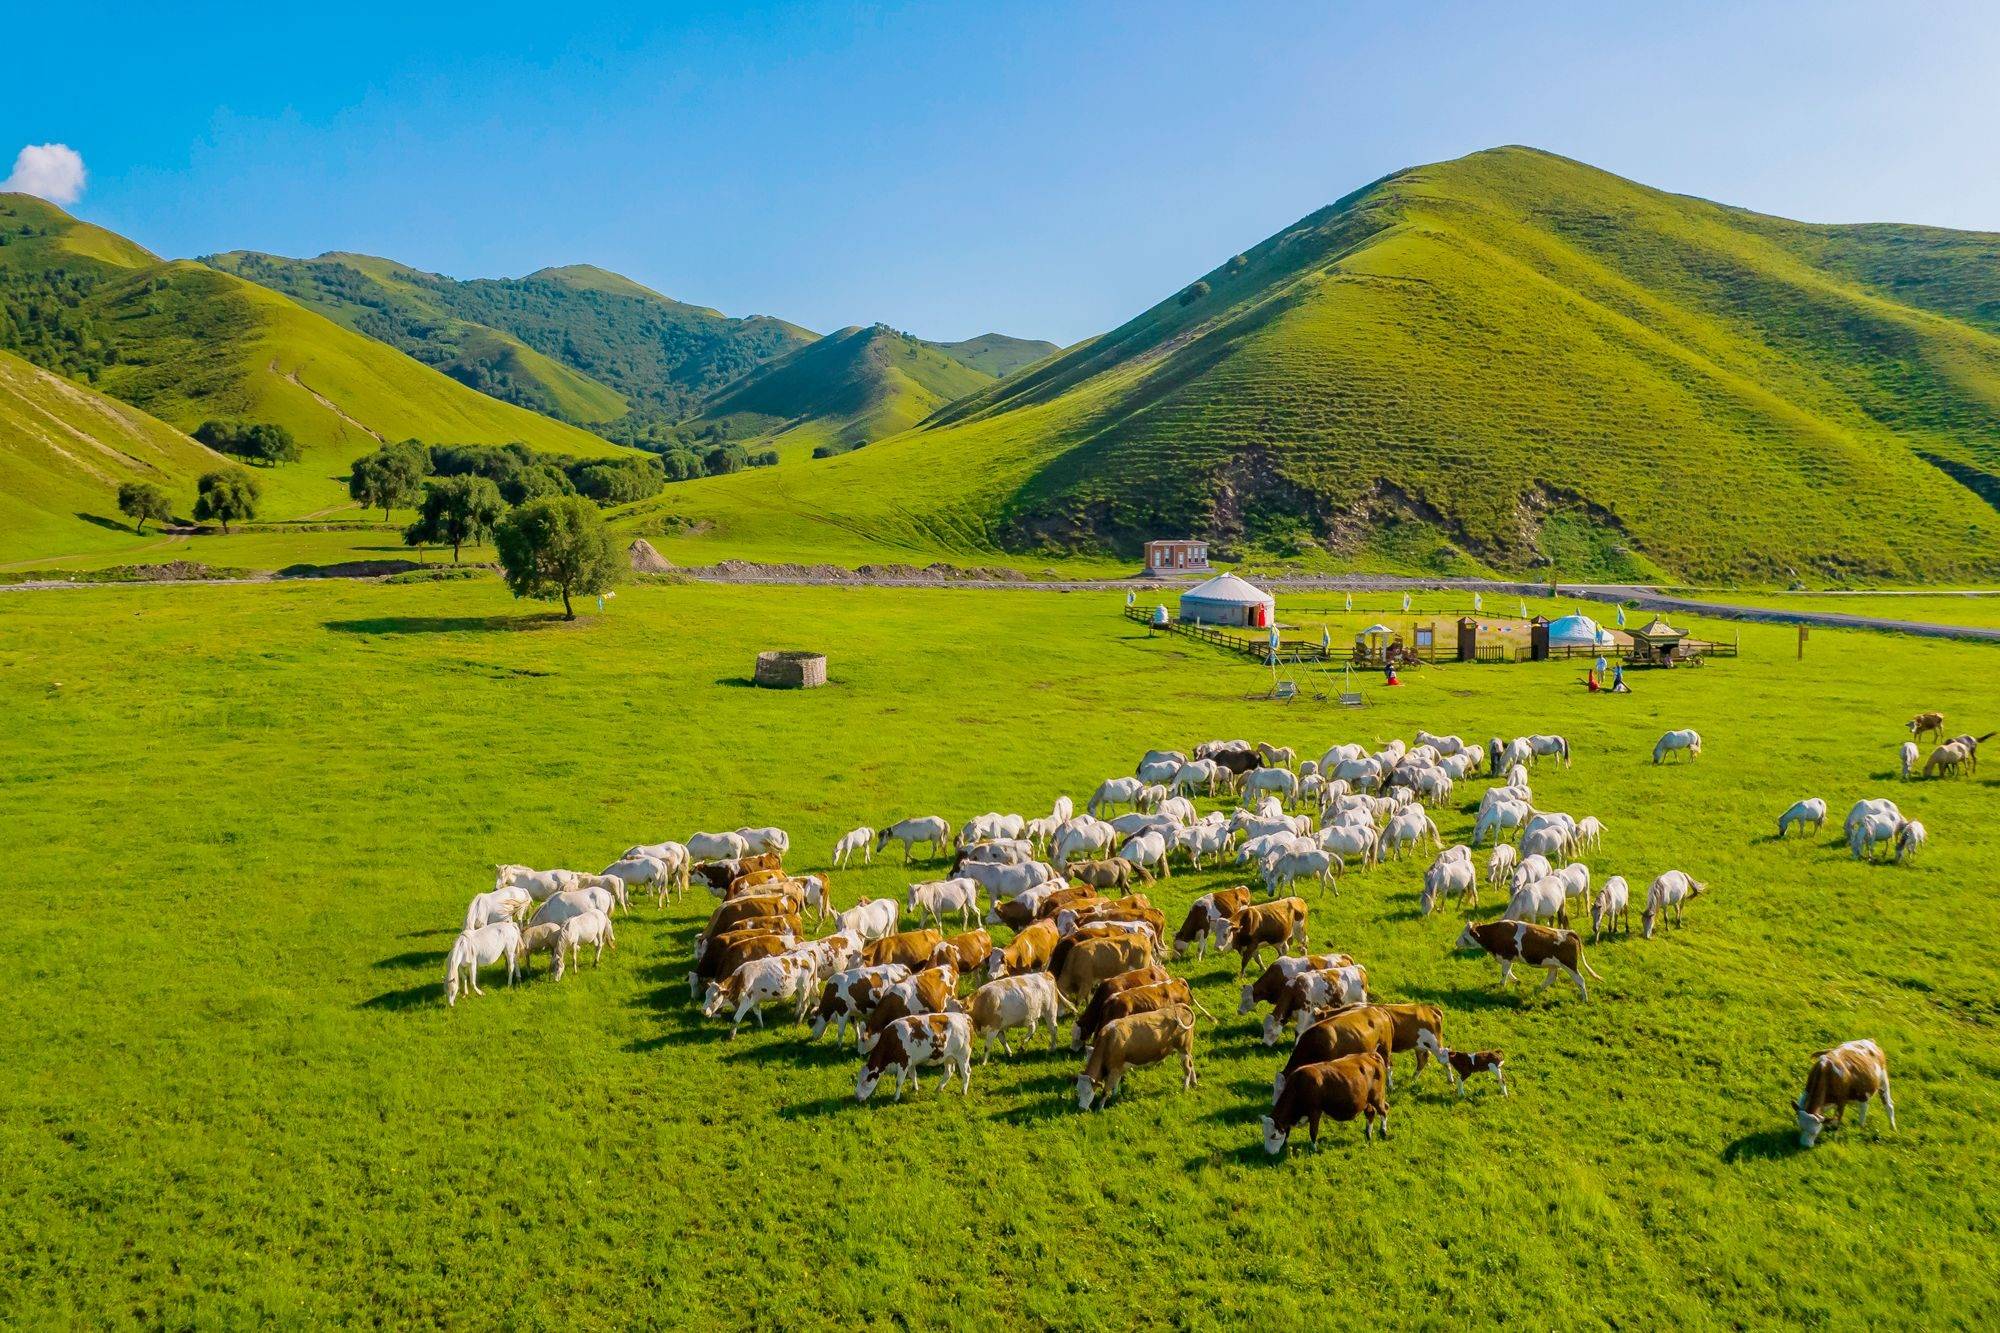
(260, 442)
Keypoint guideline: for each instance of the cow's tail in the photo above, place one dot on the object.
(1064, 1002)
(1201, 1008)
(1987, 737)
(1584, 963)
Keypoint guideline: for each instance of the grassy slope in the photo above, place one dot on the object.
(997, 354)
(233, 1095)
(390, 301)
(848, 389)
(1411, 376)
(67, 448)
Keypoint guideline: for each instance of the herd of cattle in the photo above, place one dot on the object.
(1077, 957)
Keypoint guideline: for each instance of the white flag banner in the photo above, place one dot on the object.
(1406, 601)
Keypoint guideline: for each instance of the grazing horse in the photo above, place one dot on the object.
(910, 832)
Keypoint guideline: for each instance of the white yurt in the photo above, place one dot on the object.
(1577, 630)
(1228, 600)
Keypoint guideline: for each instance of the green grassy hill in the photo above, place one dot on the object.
(848, 389)
(997, 354)
(186, 343)
(1483, 364)
(576, 342)
(64, 450)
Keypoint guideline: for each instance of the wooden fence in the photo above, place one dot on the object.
(1256, 645)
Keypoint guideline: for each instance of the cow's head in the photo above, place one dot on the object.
(1809, 1124)
(1274, 1138)
(1466, 939)
(1086, 1091)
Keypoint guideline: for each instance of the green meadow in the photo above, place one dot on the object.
(244, 823)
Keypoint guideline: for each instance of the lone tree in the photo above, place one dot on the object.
(229, 493)
(388, 477)
(141, 500)
(456, 510)
(555, 547)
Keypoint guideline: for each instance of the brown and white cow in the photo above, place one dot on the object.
(1139, 1039)
(1340, 1089)
(1359, 1029)
(1028, 1001)
(737, 911)
(1208, 920)
(729, 952)
(1271, 982)
(1029, 951)
(1092, 961)
(968, 952)
(1311, 993)
(1853, 1072)
(1545, 947)
(852, 995)
(743, 930)
(912, 1043)
(1462, 1065)
(1412, 1021)
(760, 981)
(934, 990)
(1112, 874)
(912, 948)
(718, 875)
(1109, 1005)
(1279, 925)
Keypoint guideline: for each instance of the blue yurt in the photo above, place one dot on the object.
(1577, 630)
(1228, 600)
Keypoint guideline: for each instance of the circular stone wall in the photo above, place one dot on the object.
(791, 670)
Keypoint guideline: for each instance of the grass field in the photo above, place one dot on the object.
(252, 817)
(1917, 604)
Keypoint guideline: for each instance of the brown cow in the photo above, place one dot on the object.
(743, 883)
(1350, 1086)
(1028, 953)
(1278, 924)
(1122, 909)
(1412, 1022)
(1141, 999)
(1926, 724)
(1103, 930)
(1538, 946)
(852, 994)
(1139, 1039)
(1094, 960)
(1049, 904)
(1090, 1017)
(1850, 1073)
(1112, 874)
(931, 991)
(1357, 1029)
(967, 952)
(719, 874)
(1208, 919)
(1271, 983)
(1020, 913)
(730, 952)
(738, 910)
(912, 948)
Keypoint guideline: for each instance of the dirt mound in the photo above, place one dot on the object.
(645, 560)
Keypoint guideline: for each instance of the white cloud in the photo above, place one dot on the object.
(52, 171)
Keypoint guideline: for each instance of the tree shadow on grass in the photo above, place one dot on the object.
(448, 624)
(1764, 1145)
(414, 958)
(105, 523)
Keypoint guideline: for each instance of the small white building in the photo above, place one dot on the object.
(1228, 600)
(1177, 555)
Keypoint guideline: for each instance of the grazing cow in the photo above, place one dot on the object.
(1208, 920)
(1462, 1065)
(1137, 992)
(860, 840)
(1684, 740)
(1613, 908)
(871, 918)
(1673, 890)
(1028, 1001)
(759, 982)
(725, 955)
(1509, 942)
(592, 928)
(673, 853)
(912, 948)
(966, 952)
(785, 928)
(539, 883)
(1137, 1039)
(1307, 995)
(828, 955)
(1360, 1029)
(915, 1042)
(545, 938)
(508, 904)
(1276, 925)
(927, 829)
(719, 875)
(1341, 1089)
(718, 846)
(1271, 982)
(757, 880)
(1853, 1072)
(562, 906)
(934, 990)
(1926, 724)
(946, 897)
(1091, 961)
(852, 995)
(1029, 951)
(1810, 812)
(1115, 873)
(474, 949)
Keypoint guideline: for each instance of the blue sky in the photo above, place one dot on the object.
(1042, 170)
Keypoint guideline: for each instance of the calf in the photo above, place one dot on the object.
(913, 948)
(1353, 1085)
(1029, 951)
(1277, 925)
(1361, 1029)
(1208, 920)
(1026, 1001)
(848, 996)
(1139, 1039)
(1853, 1072)
(1510, 942)
(1462, 1065)
(1111, 1003)
(911, 1043)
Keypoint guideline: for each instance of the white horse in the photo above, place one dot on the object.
(1686, 740)
(923, 828)
(1115, 791)
(474, 949)
(1811, 811)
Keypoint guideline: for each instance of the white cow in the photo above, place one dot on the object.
(869, 919)
(1114, 791)
(757, 841)
(946, 897)
(539, 883)
(718, 846)
(592, 928)
(860, 840)
(508, 904)
(1671, 891)
(474, 949)
(1685, 740)
(925, 828)
(1809, 812)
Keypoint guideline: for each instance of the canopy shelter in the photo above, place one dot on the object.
(1229, 600)
(1657, 644)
